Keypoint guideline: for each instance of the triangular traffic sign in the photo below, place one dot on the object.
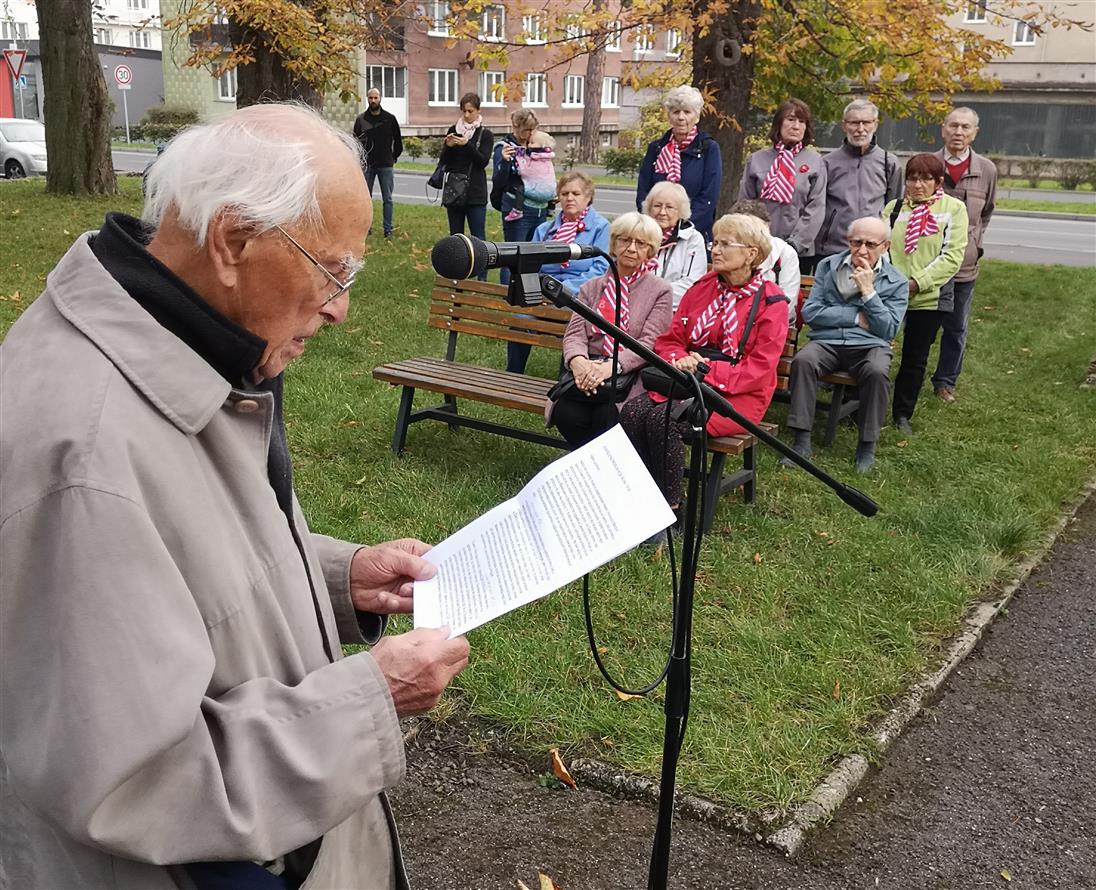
(15, 59)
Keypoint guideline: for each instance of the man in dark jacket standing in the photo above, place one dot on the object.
(861, 177)
(378, 131)
(973, 180)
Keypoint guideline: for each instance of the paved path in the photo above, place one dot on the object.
(997, 777)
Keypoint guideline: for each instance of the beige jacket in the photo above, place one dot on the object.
(977, 189)
(166, 697)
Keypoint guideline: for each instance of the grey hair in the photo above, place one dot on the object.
(686, 97)
(861, 104)
(633, 223)
(968, 110)
(673, 191)
(261, 164)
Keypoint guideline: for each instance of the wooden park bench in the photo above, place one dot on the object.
(479, 309)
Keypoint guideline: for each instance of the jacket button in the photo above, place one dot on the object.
(246, 406)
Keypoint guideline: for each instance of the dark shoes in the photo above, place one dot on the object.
(902, 424)
(865, 457)
(801, 446)
(945, 394)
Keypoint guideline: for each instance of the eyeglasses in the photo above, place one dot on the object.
(632, 242)
(727, 245)
(341, 287)
(858, 124)
(857, 243)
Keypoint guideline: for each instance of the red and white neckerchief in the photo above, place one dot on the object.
(568, 230)
(669, 236)
(606, 306)
(669, 159)
(723, 308)
(921, 222)
(779, 182)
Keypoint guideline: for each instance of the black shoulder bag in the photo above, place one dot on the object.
(455, 191)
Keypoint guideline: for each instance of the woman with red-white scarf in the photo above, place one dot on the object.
(928, 241)
(685, 155)
(735, 322)
(789, 178)
(645, 306)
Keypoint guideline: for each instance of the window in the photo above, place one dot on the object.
(13, 30)
(644, 40)
(437, 11)
(137, 4)
(103, 35)
(493, 23)
(1023, 35)
(391, 81)
(532, 27)
(226, 86)
(610, 92)
(574, 90)
(140, 39)
(612, 37)
(976, 11)
(536, 90)
(673, 42)
(443, 86)
(492, 87)
(574, 31)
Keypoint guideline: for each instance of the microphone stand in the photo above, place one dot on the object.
(678, 677)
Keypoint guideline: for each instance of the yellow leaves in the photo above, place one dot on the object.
(14, 297)
(758, 559)
(625, 696)
(545, 883)
(1006, 874)
(835, 693)
(560, 771)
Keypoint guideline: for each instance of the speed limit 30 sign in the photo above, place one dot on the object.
(123, 76)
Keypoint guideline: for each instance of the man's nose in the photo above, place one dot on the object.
(336, 311)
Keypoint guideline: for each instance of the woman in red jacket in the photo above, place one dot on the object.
(734, 322)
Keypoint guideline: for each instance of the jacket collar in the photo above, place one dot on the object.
(174, 378)
(855, 152)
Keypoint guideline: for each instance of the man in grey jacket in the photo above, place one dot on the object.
(854, 310)
(176, 707)
(973, 180)
(861, 177)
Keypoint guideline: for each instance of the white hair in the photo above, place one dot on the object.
(686, 97)
(861, 104)
(966, 109)
(261, 164)
(672, 191)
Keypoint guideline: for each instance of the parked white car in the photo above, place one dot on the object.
(22, 147)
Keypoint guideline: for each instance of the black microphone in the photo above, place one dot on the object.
(463, 256)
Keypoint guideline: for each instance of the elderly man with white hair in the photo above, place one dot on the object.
(860, 177)
(854, 310)
(685, 155)
(176, 707)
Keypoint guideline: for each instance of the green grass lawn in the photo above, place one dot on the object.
(809, 618)
(1046, 206)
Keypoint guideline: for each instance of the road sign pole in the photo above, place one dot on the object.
(125, 111)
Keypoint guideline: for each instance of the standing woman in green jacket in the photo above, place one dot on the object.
(928, 240)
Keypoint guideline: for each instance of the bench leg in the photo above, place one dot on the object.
(403, 415)
(712, 485)
(833, 416)
(451, 406)
(749, 464)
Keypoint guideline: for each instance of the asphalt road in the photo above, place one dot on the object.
(1021, 239)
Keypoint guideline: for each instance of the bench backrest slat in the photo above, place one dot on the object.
(442, 315)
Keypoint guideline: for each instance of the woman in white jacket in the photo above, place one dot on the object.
(683, 256)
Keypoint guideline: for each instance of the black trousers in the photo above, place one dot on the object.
(580, 422)
(922, 326)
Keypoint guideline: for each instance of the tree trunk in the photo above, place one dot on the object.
(267, 79)
(589, 141)
(77, 108)
(721, 68)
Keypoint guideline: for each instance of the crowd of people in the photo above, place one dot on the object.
(892, 247)
(203, 726)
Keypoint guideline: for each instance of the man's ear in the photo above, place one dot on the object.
(228, 244)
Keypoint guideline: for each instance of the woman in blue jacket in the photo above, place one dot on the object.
(576, 223)
(684, 154)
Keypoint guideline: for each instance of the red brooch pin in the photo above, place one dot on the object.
(803, 168)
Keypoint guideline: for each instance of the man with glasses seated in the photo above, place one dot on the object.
(860, 178)
(854, 310)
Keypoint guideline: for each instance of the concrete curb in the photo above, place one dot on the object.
(788, 831)
(1046, 214)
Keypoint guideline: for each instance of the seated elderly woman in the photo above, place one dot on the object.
(733, 320)
(587, 411)
(576, 223)
(683, 255)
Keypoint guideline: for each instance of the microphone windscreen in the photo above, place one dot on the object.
(458, 256)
